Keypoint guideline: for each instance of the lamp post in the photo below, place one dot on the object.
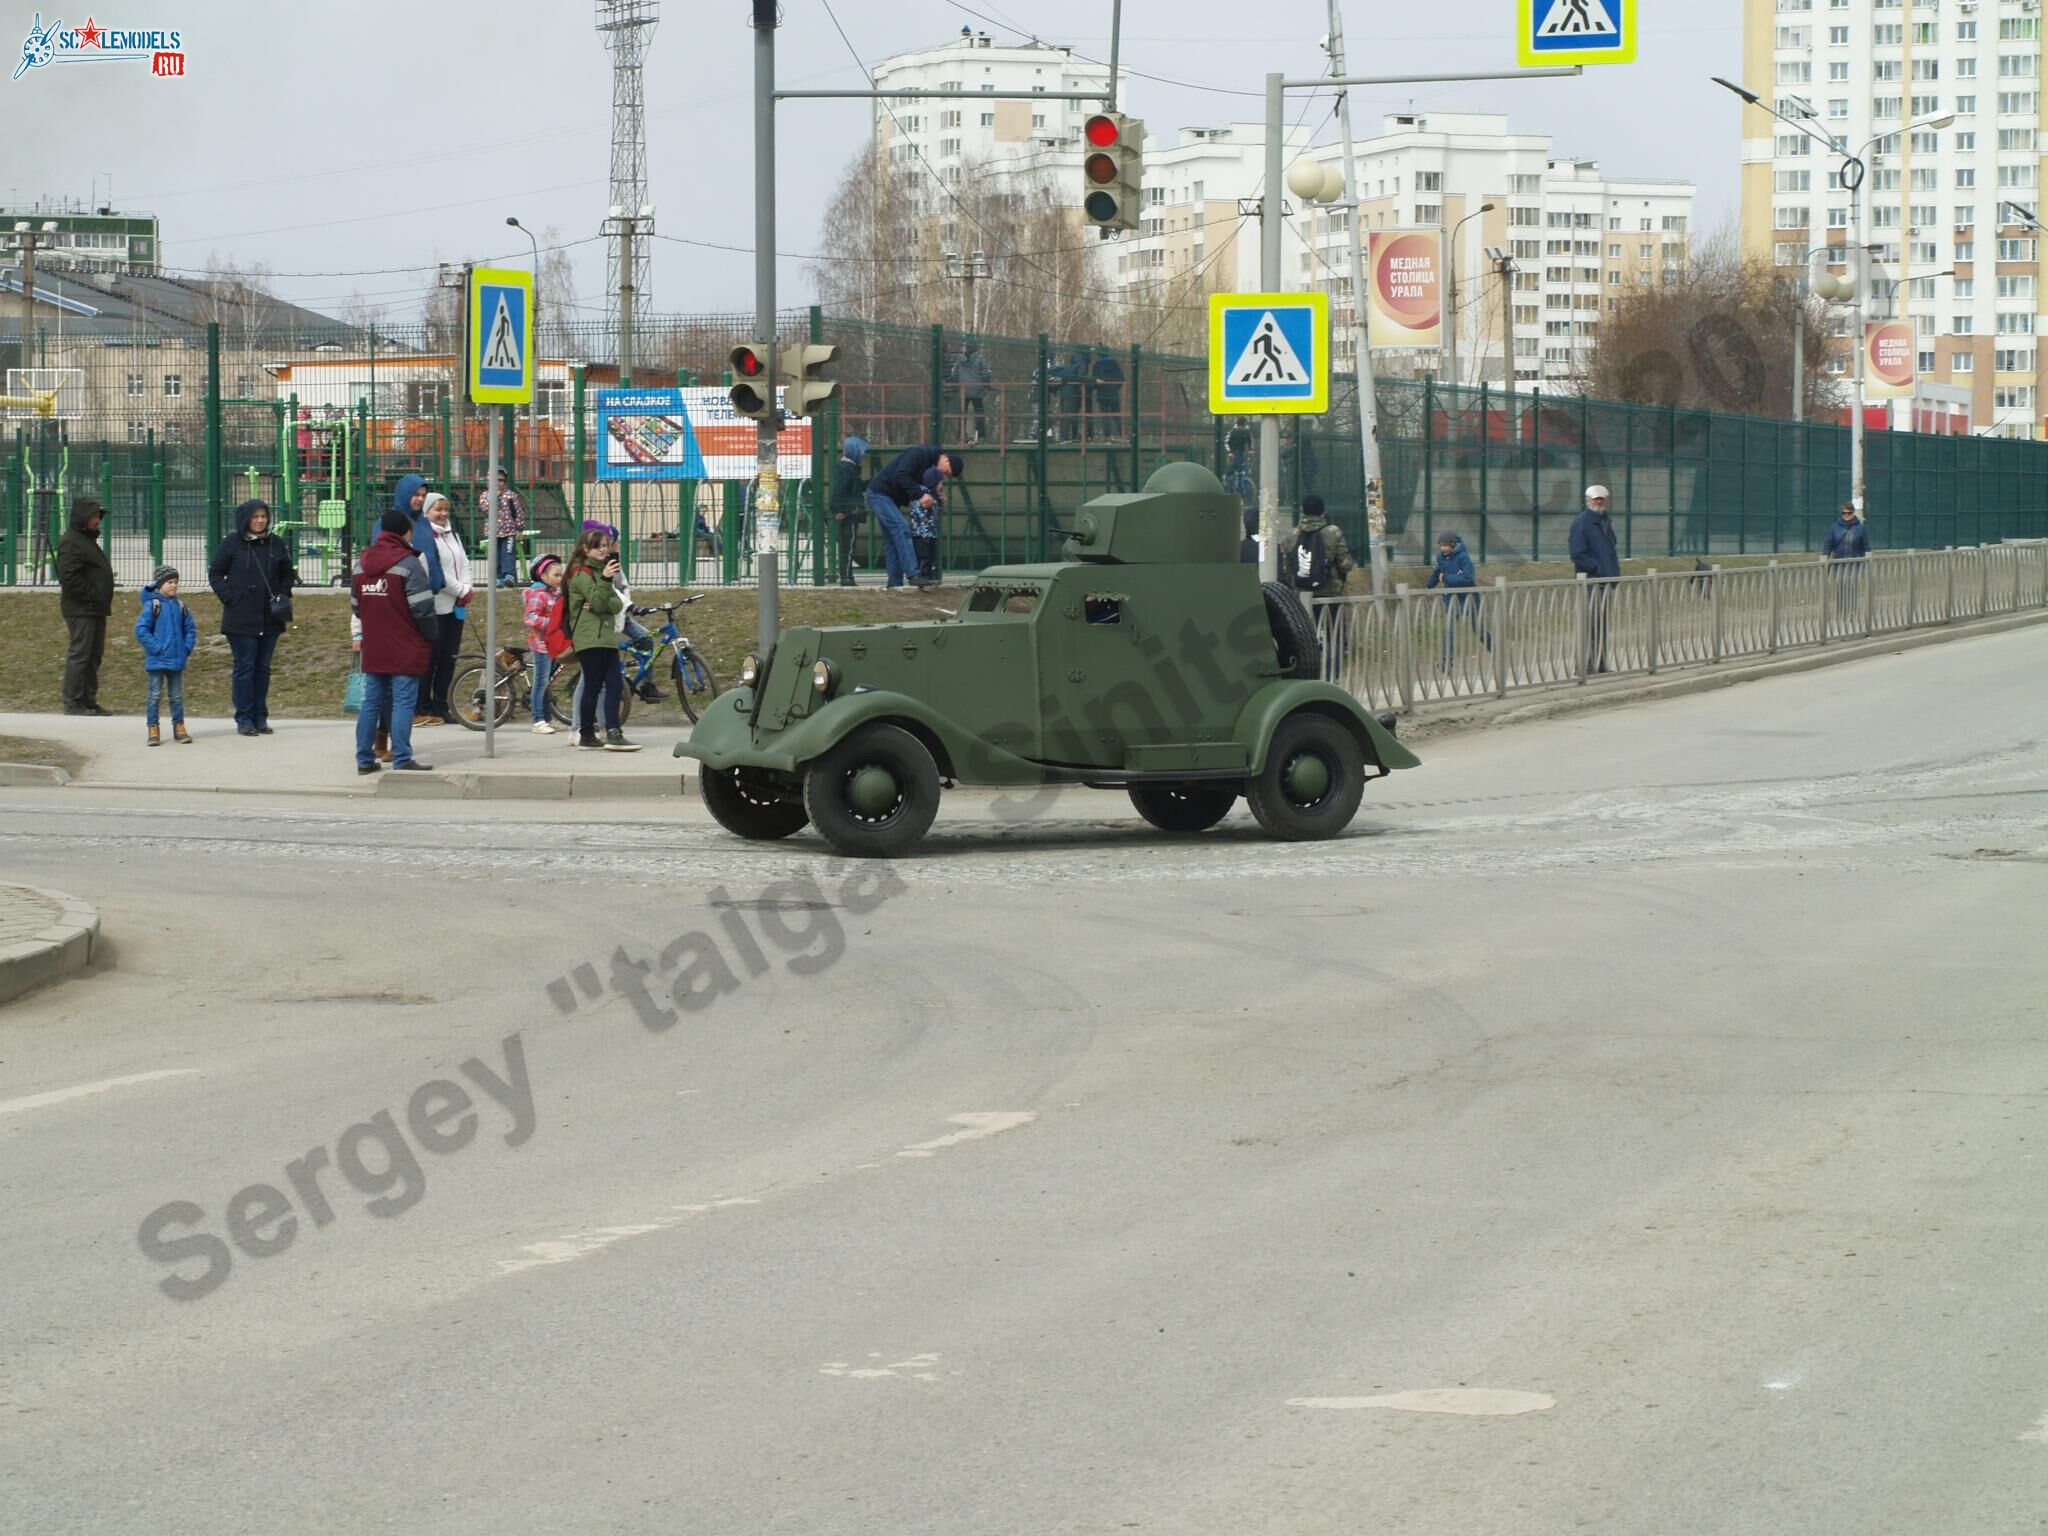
(1851, 177)
(1451, 330)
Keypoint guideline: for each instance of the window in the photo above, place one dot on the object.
(1838, 72)
(1196, 192)
(1884, 179)
(1924, 362)
(1923, 325)
(1966, 179)
(1792, 37)
(1962, 325)
(1887, 69)
(1429, 213)
(1887, 34)
(1038, 119)
(1966, 106)
(136, 386)
(1784, 254)
(2016, 138)
(174, 431)
(1925, 179)
(1525, 186)
(137, 432)
(173, 386)
(1429, 181)
(1787, 218)
(988, 119)
(1927, 69)
(2015, 325)
(1794, 71)
(949, 149)
(2016, 287)
(1923, 214)
(1526, 314)
(2019, 66)
(949, 119)
(1925, 106)
(1966, 142)
(2013, 360)
(1965, 287)
(1788, 145)
(1838, 107)
(1884, 106)
(1787, 181)
(1614, 251)
(2016, 176)
(1966, 250)
(2019, 103)
(1524, 218)
(2012, 397)
(1966, 69)
(2016, 250)
(2010, 27)
(1962, 362)
(1926, 143)
(1924, 33)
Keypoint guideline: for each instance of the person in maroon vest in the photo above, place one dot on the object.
(393, 596)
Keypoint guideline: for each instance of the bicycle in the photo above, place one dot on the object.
(688, 669)
(515, 690)
(1237, 479)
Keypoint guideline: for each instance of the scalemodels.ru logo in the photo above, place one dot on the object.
(162, 51)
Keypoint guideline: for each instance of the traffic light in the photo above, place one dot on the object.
(805, 389)
(752, 393)
(1112, 170)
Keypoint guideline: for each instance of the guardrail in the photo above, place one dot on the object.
(1423, 646)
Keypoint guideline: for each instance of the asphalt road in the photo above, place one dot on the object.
(1660, 1090)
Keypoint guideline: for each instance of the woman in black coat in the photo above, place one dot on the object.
(250, 569)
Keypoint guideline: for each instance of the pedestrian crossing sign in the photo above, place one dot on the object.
(500, 336)
(1269, 353)
(1576, 31)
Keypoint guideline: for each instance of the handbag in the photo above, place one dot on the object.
(280, 603)
(352, 691)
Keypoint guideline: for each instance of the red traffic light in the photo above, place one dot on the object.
(747, 363)
(1102, 130)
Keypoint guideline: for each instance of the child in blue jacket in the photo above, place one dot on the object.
(167, 634)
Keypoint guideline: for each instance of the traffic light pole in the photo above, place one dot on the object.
(767, 477)
(1277, 87)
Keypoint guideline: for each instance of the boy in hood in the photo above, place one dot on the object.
(391, 595)
(1454, 572)
(86, 577)
(167, 633)
(849, 505)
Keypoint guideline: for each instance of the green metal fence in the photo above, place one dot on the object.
(173, 430)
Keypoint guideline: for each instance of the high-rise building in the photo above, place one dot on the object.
(1879, 79)
(993, 136)
(87, 239)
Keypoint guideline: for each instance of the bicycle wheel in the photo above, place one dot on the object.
(562, 691)
(466, 697)
(692, 675)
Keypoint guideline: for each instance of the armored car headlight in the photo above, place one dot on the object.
(750, 670)
(823, 677)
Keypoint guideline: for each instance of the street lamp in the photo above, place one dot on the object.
(1451, 331)
(1851, 178)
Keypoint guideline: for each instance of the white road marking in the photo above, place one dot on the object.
(86, 1090)
(979, 1124)
(2039, 1433)
(1478, 1401)
(582, 1244)
(916, 1368)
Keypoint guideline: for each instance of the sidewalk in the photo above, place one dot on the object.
(44, 935)
(318, 757)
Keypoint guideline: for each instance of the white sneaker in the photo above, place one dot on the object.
(542, 728)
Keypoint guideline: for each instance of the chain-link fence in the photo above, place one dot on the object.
(172, 430)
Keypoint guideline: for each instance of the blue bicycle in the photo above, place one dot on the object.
(688, 669)
(1237, 479)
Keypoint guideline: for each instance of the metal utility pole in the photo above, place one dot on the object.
(26, 238)
(1504, 268)
(767, 472)
(1277, 87)
(1368, 403)
(627, 27)
(626, 290)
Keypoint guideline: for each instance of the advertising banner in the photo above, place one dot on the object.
(1887, 360)
(687, 434)
(1405, 276)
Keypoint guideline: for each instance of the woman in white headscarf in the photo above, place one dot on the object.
(451, 607)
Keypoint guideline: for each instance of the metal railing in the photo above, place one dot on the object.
(1425, 647)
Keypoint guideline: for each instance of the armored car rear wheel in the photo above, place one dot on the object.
(749, 809)
(875, 794)
(1312, 782)
(1294, 632)
(1183, 807)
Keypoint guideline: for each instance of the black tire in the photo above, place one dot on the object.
(1294, 631)
(750, 810)
(1276, 796)
(466, 697)
(876, 831)
(562, 690)
(1183, 807)
(680, 676)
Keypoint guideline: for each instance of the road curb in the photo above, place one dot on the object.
(32, 775)
(530, 786)
(62, 945)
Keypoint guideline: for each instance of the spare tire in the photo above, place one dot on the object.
(1294, 632)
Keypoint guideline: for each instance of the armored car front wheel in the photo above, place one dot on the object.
(874, 794)
(1183, 807)
(750, 809)
(1312, 782)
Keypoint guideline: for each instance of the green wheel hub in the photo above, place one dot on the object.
(873, 790)
(1307, 779)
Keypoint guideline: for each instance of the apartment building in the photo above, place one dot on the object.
(1942, 102)
(992, 137)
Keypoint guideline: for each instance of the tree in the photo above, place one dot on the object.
(1719, 338)
(555, 293)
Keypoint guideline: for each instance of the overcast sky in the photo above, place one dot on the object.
(390, 133)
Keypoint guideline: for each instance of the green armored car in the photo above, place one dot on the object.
(1149, 660)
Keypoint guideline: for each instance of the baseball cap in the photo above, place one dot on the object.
(1596, 490)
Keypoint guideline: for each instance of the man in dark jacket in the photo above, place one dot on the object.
(251, 567)
(1596, 555)
(971, 372)
(849, 505)
(1248, 551)
(1848, 538)
(1315, 559)
(891, 492)
(392, 596)
(85, 576)
(1105, 395)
